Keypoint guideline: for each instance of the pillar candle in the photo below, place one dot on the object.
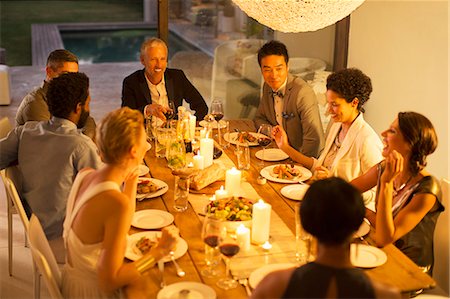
(199, 161)
(261, 222)
(207, 150)
(203, 133)
(192, 122)
(221, 193)
(243, 237)
(233, 181)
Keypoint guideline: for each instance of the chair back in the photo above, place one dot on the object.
(441, 241)
(44, 258)
(5, 127)
(13, 196)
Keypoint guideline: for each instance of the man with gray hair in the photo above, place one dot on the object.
(34, 105)
(150, 89)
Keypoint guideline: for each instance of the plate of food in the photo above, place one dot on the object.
(140, 243)
(286, 173)
(151, 219)
(258, 275)
(204, 124)
(234, 210)
(187, 290)
(295, 191)
(251, 138)
(149, 188)
(366, 256)
(271, 154)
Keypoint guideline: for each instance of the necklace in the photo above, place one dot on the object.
(337, 140)
(402, 186)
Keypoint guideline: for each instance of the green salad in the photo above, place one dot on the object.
(231, 208)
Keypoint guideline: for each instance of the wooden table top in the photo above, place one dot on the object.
(399, 270)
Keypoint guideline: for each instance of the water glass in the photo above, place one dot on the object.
(243, 156)
(163, 136)
(181, 193)
(303, 240)
(224, 130)
(176, 154)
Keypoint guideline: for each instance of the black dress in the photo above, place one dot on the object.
(312, 281)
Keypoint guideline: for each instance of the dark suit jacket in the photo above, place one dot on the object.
(136, 94)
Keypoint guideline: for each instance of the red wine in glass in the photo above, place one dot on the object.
(229, 250)
(264, 141)
(217, 116)
(211, 241)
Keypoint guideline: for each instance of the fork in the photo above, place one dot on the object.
(244, 282)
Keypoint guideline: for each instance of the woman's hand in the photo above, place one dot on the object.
(130, 183)
(321, 173)
(280, 137)
(166, 243)
(393, 167)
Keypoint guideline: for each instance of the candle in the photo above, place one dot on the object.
(199, 161)
(221, 193)
(266, 246)
(192, 122)
(207, 150)
(212, 198)
(233, 181)
(203, 133)
(243, 237)
(261, 222)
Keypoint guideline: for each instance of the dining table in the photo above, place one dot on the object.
(398, 270)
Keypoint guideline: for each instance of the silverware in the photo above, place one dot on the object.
(244, 282)
(161, 270)
(180, 272)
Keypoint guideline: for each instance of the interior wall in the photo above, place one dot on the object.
(403, 46)
(318, 44)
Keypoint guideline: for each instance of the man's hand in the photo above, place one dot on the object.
(155, 110)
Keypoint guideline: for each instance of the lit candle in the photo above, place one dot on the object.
(233, 181)
(199, 161)
(203, 133)
(243, 237)
(192, 121)
(221, 193)
(207, 150)
(212, 198)
(261, 222)
(266, 246)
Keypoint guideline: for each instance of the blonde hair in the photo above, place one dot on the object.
(117, 133)
(152, 42)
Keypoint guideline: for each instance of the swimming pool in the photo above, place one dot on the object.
(120, 45)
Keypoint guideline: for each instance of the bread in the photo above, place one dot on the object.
(202, 178)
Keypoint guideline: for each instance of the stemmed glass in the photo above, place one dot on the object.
(264, 138)
(210, 235)
(170, 114)
(217, 112)
(229, 247)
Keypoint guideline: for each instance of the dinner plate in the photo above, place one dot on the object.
(257, 275)
(233, 138)
(366, 256)
(143, 169)
(267, 172)
(151, 219)
(363, 230)
(271, 154)
(196, 291)
(204, 123)
(295, 192)
(132, 253)
(162, 188)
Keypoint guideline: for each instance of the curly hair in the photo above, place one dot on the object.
(351, 83)
(273, 47)
(57, 58)
(332, 210)
(117, 133)
(65, 92)
(419, 132)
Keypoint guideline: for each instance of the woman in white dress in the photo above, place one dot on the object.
(352, 147)
(99, 215)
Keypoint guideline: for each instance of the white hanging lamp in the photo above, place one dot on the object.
(298, 15)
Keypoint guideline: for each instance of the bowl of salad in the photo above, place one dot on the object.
(233, 210)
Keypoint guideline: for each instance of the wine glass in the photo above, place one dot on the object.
(264, 138)
(217, 112)
(170, 114)
(210, 236)
(229, 247)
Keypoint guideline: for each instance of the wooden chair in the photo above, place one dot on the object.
(44, 258)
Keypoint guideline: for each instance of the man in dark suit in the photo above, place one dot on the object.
(150, 89)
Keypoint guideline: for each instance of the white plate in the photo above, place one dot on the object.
(267, 172)
(134, 254)
(363, 230)
(257, 275)
(204, 123)
(272, 154)
(162, 188)
(142, 169)
(295, 192)
(151, 219)
(365, 256)
(196, 291)
(233, 138)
